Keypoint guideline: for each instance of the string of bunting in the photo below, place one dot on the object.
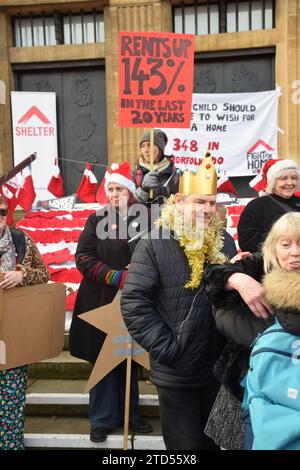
(81, 161)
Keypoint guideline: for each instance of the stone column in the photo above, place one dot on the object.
(288, 76)
(6, 85)
(127, 15)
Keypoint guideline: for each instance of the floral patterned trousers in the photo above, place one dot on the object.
(13, 384)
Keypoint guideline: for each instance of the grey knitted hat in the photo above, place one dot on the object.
(160, 139)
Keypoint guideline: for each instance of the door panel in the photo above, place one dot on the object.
(81, 116)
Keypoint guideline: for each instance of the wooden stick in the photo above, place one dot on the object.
(127, 398)
(11, 173)
(151, 158)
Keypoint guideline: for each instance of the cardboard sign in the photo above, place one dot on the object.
(118, 344)
(32, 324)
(156, 72)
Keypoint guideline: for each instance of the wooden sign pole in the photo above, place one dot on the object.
(127, 397)
(151, 157)
(11, 173)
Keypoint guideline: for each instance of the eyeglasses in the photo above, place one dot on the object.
(3, 212)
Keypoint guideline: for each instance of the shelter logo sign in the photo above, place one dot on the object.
(257, 155)
(36, 130)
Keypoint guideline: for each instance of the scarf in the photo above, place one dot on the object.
(200, 245)
(159, 167)
(7, 251)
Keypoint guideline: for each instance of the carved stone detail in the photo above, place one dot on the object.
(245, 80)
(83, 91)
(43, 85)
(83, 126)
(205, 82)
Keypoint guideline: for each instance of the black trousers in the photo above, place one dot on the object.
(184, 413)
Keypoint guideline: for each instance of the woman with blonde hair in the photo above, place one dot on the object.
(243, 310)
(273, 380)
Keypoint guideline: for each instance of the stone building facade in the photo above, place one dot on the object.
(71, 47)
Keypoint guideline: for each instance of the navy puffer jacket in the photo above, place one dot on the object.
(174, 324)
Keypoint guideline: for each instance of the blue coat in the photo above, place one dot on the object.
(273, 380)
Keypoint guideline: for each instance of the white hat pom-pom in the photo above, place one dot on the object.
(115, 166)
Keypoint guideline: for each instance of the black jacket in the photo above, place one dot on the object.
(258, 217)
(168, 182)
(20, 243)
(172, 323)
(233, 317)
(86, 340)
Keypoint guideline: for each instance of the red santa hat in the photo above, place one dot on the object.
(120, 173)
(275, 171)
(26, 194)
(224, 185)
(272, 169)
(55, 185)
(87, 187)
(101, 196)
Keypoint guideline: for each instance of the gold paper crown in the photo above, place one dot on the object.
(202, 182)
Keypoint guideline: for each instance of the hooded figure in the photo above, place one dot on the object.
(162, 178)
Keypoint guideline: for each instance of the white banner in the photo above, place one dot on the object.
(35, 130)
(238, 129)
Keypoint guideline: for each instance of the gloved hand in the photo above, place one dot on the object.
(142, 195)
(150, 181)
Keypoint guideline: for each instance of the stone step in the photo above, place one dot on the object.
(58, 432)
(63, 366)
(67, 398)
(67, 367)
(66, 342)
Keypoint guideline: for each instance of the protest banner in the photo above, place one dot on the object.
(156, 72)
(238, 129)
(35, 130)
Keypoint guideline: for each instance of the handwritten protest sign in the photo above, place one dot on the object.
(156, 72)
(238, 129)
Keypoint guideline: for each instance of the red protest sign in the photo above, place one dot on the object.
(156, 72)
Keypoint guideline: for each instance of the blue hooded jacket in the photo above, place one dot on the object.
(273, 380)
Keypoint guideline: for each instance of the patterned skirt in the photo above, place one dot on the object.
(13, 384)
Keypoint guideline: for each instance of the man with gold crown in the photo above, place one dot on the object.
(165, 309)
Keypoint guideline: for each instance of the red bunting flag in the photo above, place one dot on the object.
(55, 185)
(86, 189)
(101, 196)
(26, 194)
(224, 185)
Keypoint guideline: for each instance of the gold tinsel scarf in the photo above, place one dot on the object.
(199, 246)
